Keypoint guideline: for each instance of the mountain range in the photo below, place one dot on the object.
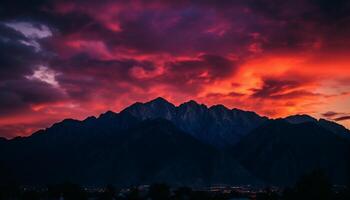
(189, 144)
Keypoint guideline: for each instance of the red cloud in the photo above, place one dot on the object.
(276, 59)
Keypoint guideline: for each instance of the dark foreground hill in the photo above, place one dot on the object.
(190, 144)
(280, 152)
(150, 151)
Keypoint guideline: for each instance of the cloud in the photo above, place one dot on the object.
(342, 118)
(280, 88)
(30, 30)
(331, 114)
(222, 95)
(23, 82)
(20, 95)
(44, 74)
(105, 55)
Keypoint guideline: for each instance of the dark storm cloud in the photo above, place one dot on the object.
(106, 49)
(18, 8)
(209, 66)
(303, 22)
(18, 61)
(274, 88)
(20, 95)
(333, 10)
(177, 32)
(16, 58)
(84, 77)
(190, 76)
(180, 28)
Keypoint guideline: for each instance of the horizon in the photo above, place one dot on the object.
(176, 105)
(73, 59)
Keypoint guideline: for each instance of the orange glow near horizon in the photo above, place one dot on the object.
(234, 92)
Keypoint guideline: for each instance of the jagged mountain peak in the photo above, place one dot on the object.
(192, 105)
(159, 100)
(219, 107)
(118, 143)
(66, 122)
(108, 114)
(90, 118)
(300, 118)
(216, 125)
(191, 102)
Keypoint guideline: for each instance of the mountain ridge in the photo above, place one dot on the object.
(280, 152)
(153, 150)
(216, 125)
(298, 118)
(189, 144)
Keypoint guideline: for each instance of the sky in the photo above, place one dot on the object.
(73, 59)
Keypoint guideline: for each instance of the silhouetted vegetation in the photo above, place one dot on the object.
(159, 192)
(68, 191)
(314, 185)
(109, 193)
(134, 194)
(9, 191)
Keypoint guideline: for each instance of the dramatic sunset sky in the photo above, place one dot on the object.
(74, 59)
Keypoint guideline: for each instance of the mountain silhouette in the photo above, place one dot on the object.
(281, 152)
(190, 144)
(216, 125)
(118, 149)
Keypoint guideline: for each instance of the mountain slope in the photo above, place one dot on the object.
(147, 152)
(187, 144)
(329, 125)
(216, 125)
(280, 152)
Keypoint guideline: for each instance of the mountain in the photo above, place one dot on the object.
(216, 125)
(329, 125)
(190, 144)
(280, 152)
(117, 149)
(298, 119)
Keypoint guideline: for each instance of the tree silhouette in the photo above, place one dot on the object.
(183, 193)
(31, 195)
(68, 191)
(9, 191)
(159, 192)
(109, 193)
(134, 194)
(314, 185)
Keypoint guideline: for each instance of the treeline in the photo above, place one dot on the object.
(315, 185)
(69, 191)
